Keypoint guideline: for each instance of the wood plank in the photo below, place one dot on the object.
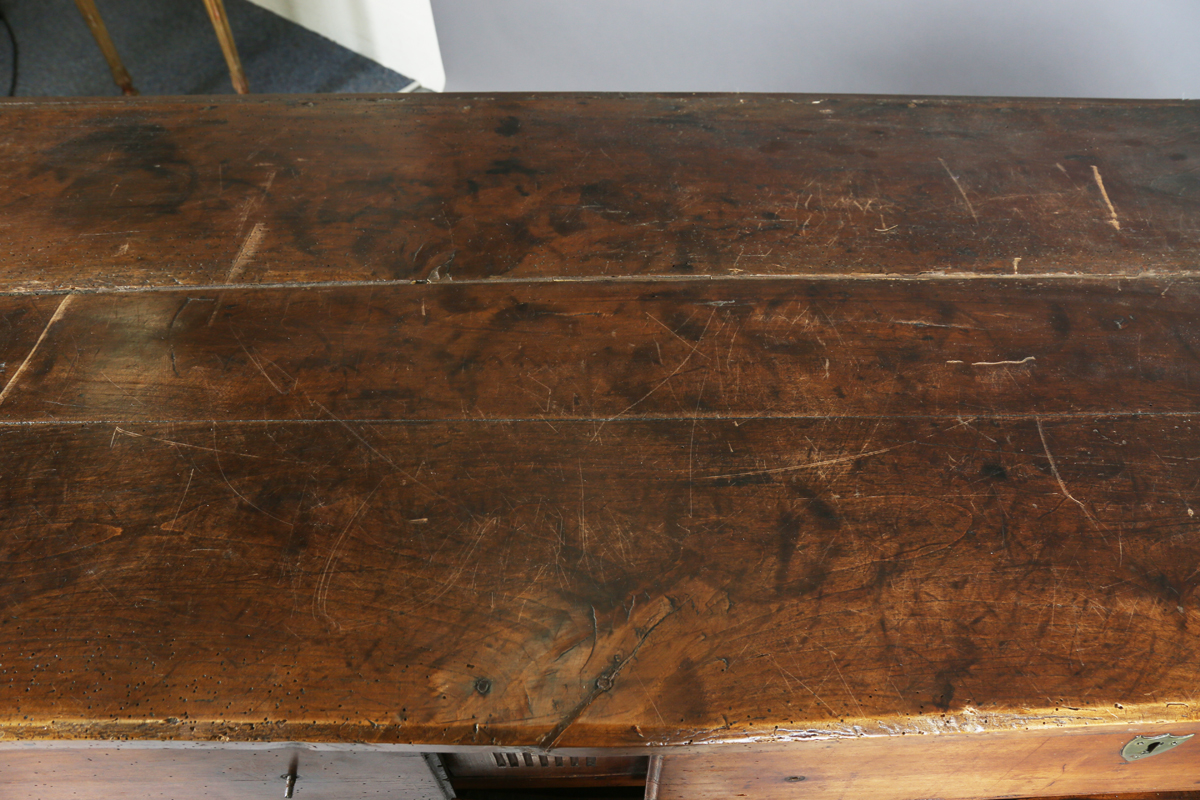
(601, 351)
(970, 766)
(69, 770)
(161, 192)
(674, 581)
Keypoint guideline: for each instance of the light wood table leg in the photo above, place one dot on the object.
(91, 15)
(216, 12)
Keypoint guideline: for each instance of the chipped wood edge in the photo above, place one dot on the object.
(530, 737)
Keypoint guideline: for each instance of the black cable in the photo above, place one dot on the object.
(12, 38)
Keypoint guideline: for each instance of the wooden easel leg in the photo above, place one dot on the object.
(216, 12)
(91, 15)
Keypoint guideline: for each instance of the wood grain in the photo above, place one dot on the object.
(667, 582)
(453, 187)
(602, 351)
(1039, 763)
(851, 434)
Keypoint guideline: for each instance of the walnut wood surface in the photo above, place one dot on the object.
(426, 186)
(761, 348)
(530, 582)
(262, 485)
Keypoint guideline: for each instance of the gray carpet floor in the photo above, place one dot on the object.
(169, 48)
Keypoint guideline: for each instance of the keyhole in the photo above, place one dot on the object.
(1146, 746)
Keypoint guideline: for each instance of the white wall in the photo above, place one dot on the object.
(1098, 48)
(399, 34)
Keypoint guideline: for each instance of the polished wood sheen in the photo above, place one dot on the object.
(458, 187)
(846, 438)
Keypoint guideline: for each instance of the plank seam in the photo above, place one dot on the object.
(865, 277)
(688, 420)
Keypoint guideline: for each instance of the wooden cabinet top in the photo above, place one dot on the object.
(597, 420)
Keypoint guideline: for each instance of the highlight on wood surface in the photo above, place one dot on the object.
(429, 187)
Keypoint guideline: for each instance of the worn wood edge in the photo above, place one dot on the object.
(998, 764)
(174, 732)
(1032, 416)
(46, 289)
(1157, 245)
(693, 747)
(436, 98)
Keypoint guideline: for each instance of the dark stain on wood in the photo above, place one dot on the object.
(730, 349)
(518, 188)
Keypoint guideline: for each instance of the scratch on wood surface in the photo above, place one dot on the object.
(692, 448)
(179, 507)
(253, 202)
(809, 465)
(55, 317)
(321, 595)
(604, 682)
(249, 247)
(694, 347)
(958, 186)
(410, 476)
(595, 638)
(1112, 212)
(849, 691)
(650, 699)
(232, 488)
(119, 431)
(451, 581)
(916, 323)
(783, 673)
(1062, 484)
(1016, 265)
(356, 435)
(582, 514)
(1024, 360)
(259, 367)
(660, 384)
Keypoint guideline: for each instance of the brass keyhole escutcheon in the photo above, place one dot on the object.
(1145, 746)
